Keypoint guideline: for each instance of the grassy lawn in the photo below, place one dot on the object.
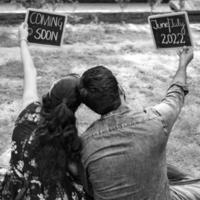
(128, 51)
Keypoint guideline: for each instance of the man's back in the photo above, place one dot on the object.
(125, 156)
(124, 153)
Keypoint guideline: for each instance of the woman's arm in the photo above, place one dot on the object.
(30, 74)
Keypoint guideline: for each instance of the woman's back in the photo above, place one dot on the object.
(24, 177)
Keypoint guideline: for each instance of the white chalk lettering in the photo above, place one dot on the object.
(172, 38)
(37, 36)
(42, 34)
(170, 23)
(54, 35)
(49, 21)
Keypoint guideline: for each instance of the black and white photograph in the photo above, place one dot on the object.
(99, 99)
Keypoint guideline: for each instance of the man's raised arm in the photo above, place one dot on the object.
(171, 105)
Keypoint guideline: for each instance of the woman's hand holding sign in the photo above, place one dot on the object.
(23, 32)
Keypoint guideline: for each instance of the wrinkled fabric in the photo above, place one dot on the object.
(124, 152)
(182, 186)
(186, 190)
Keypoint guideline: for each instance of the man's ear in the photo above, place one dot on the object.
(83, 93)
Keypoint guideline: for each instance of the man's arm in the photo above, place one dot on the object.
(171, 105)
(86, 184)
(30, 74)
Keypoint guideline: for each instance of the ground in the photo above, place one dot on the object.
(128, 50)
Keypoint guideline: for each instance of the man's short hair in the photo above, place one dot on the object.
(99, 90)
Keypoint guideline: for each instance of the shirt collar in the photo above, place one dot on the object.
(124, 108)
(120, 110)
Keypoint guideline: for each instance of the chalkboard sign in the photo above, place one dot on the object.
(45, 28)
(171, 30)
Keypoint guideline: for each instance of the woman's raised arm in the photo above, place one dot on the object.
(30, 74)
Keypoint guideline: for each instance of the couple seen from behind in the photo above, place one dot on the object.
(121, 156)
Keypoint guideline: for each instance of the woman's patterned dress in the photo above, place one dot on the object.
(22, 180)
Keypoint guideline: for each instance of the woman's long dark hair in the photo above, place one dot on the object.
(56, 141)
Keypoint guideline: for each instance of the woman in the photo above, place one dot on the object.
(45, 146)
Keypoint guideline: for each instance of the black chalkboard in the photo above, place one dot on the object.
(45, 28)
(171, 30)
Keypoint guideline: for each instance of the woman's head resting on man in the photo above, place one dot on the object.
(57, 142)
(65, 91)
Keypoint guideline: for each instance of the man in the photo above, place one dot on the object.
(124, 152)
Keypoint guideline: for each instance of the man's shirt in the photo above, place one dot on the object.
(124, 152)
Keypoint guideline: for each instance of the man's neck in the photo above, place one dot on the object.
(123, 106)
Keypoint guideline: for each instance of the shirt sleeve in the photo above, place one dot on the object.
(84, 169)
(24, 126)
(87, 185)
(29, 114)
(171, 105)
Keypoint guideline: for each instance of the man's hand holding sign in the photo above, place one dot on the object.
(171, 30)
(45, 27)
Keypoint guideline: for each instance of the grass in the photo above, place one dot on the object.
(128, 51)
(8, 39)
